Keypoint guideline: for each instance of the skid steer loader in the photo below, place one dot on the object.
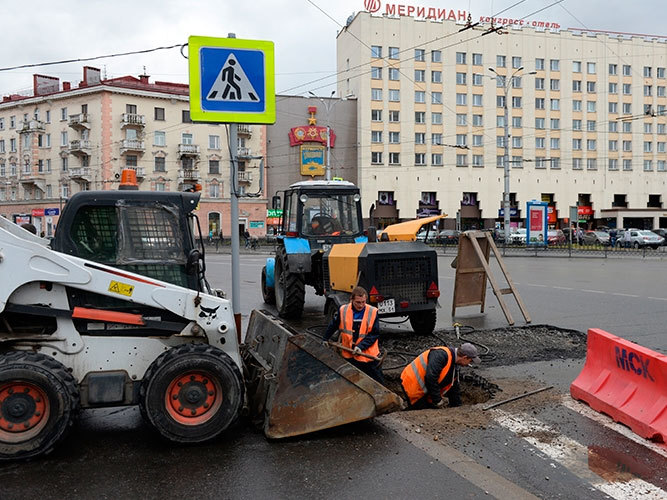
(119, 313)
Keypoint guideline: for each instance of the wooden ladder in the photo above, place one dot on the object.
(472, 271)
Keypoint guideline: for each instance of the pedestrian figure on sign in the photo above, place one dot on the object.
(229, 75)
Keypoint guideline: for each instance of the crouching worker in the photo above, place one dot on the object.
(359, 332)
(433, 374)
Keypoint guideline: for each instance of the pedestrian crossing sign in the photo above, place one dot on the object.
(231, 80)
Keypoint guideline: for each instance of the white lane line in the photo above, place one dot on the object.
(592, 291)
(606, 421)
(539, 285)
(656, 298)
(574, 456)
(563, 288)
(625, 295)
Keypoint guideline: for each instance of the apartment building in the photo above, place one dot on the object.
(65, 138)
(586, 121)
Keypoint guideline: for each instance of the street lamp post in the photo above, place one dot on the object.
(506, 158)
(328, 106)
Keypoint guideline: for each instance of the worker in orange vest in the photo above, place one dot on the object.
(359, 330)
(433, 374)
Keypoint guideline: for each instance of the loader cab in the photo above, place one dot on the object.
(322, 212)
(148, 233)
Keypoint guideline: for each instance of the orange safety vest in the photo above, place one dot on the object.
(413, 376)
(346, 328)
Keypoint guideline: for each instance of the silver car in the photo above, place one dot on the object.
(640, 238)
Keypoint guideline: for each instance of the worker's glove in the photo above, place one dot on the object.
(356, 350)
(325, 343)
(440, 404)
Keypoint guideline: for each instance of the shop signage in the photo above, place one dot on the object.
(536, 224)
(514, 212)
(37, 212)
(274, 212)
(256, 223)
(312, 160)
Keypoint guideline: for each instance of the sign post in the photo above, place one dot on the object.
(232, 81)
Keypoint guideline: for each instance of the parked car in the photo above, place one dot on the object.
(640, 238)
(427, 238)
(663, 233)
(556, 237)
(448, 237)
(599, 238)
(518, 237)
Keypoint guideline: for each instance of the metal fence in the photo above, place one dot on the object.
(569, 250)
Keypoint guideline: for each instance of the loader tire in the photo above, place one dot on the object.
(38, 400)
(290, 288)
(269, 294)
(191, 393)
(423, 322)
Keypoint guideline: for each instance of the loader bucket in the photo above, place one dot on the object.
(296, 385)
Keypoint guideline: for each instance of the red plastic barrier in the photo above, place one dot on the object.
(625, 381)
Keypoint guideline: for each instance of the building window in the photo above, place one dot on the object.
(613, 145)
(517, 162)
(477, 99)
(627, 127)
(539, 64)
(613, 164)
(436, 139)
(647, 72)
(613, 69)
(540, 123)
(436, 76)
(420, 158)
(516, 102)
(555, 104)
(554, 143)
(477, 160)
(477, 140)
(554, 84)
(461, 139)
(393, 52)
(131, 160)
(160, 186)
(394, 137)
(461, 160)
(460, 58)
(627, 165)
(501, 101)
(420, 138)
(436, 159)
(213, 142)
(376, 51)
(648, 90)
(461, 119)
(539, 142)
(539, 83)
(394, 116)
(376, 158)
(539, 103)
(2, 124)
(477, 59)
(376, 115)
(436, 56)
(648, 147)
(500, 121)
(477, 121)
(660, 72)
(627, 70)
(394, 74)
(591, 106)
(420, 75)
(63, 114)
(419, 55)
(186, 139)
(420, 96)
(591, 144)
(160, 164)
(516, 62)
(477, 79)
(159, 138)
(517, 142)
(185, 116)
(376, 94)
(576, 105)
(661, 164)
(394, 95)
(436, 118)
(576, 144)
(576, 66)
(555, 123)
(420, 117)
(501, 61)
(2, 145)
(590, 68)
(627, 108)
(500, 161)
(214, 191)
(159, 114)
(214, 167)
(394, 158)
(376, 136)
(627, 145)
(554, 64)
(461, 99)
(613, 107)
(376, 73)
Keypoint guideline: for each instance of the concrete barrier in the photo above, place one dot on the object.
(626, 381)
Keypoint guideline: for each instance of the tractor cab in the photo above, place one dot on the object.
(322, 212)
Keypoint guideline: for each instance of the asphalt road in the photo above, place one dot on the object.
(555, 449)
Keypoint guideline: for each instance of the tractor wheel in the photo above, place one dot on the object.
(191, 393)
(269, 294)
(290, 288)
(38, 399)
(423, 322)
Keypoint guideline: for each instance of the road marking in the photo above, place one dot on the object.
(460, 463)
(537, 285)
(625, 295)
(656, 298)
(592, 291)
(575, 457)
(606, 421)
(563, 288)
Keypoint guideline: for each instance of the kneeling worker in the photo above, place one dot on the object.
(359, 331)
(433, 374)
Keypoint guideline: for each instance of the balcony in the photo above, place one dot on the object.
(30, 178)
(80, 121)
(140, 171)
(132, 145)
(31, 126)
(188, 150)
(80, 174)
(244, 129)
(80, 147)
(243, 152)
(132, 120)
(188, 176)
(245, 176)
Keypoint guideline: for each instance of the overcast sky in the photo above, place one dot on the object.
(304, 32)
